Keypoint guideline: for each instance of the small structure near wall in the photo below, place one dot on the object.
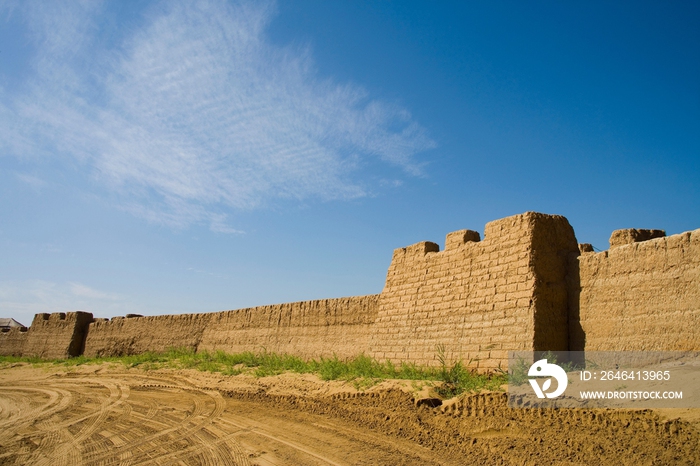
(8, 323)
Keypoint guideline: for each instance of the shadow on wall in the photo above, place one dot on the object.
(577, 335)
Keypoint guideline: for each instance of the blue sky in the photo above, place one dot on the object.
(169, 157)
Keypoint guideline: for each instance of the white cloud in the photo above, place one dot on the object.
(22, 299)
(83, 291)
(34, 182)
(195, 114)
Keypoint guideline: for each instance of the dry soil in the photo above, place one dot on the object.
(104, 415)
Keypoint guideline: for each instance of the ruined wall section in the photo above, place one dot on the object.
(58, 335)
(12, 341)
(477, 299)
(307, 328)
(641, 295)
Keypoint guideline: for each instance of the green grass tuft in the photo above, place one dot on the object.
(362, 371)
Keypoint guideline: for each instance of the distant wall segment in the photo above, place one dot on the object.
(307, 328)
(51, 336)
(12, 341)
(134, 335)
(527, 285)
(640, 294)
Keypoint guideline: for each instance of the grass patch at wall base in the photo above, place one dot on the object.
(362, 370)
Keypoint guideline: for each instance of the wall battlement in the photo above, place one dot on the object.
(633, 235)
(52, 336)
(478, 299)
(527, 285)
(640, 295)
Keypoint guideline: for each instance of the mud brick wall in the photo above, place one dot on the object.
(640, 295)
(12, 341)
(527, 286)
(478, 299)
(309, 329)
(57, 335)
(134, 335)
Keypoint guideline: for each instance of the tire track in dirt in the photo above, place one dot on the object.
(184, 430)
(135, 418)
(65, 453)
(63, 447)
(247, 427)
(222, 450)
(478, 429)
(58, 401)
(12, 405)
(58, 438)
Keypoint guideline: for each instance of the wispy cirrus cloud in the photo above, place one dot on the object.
(193, 113)
(34, 182)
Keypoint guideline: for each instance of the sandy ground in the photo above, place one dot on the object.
(100, 415)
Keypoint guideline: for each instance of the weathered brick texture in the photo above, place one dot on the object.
(478, 299)
(640, 295)
(12, 341)
(125, 336)
(57, 335)
(308, 328)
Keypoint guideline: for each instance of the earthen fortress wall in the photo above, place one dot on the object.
(309, 329)
(51, 336)
(12, 341)
(478, 299)
(525, 286)
(640, 296)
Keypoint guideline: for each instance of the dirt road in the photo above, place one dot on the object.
(109, 415)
